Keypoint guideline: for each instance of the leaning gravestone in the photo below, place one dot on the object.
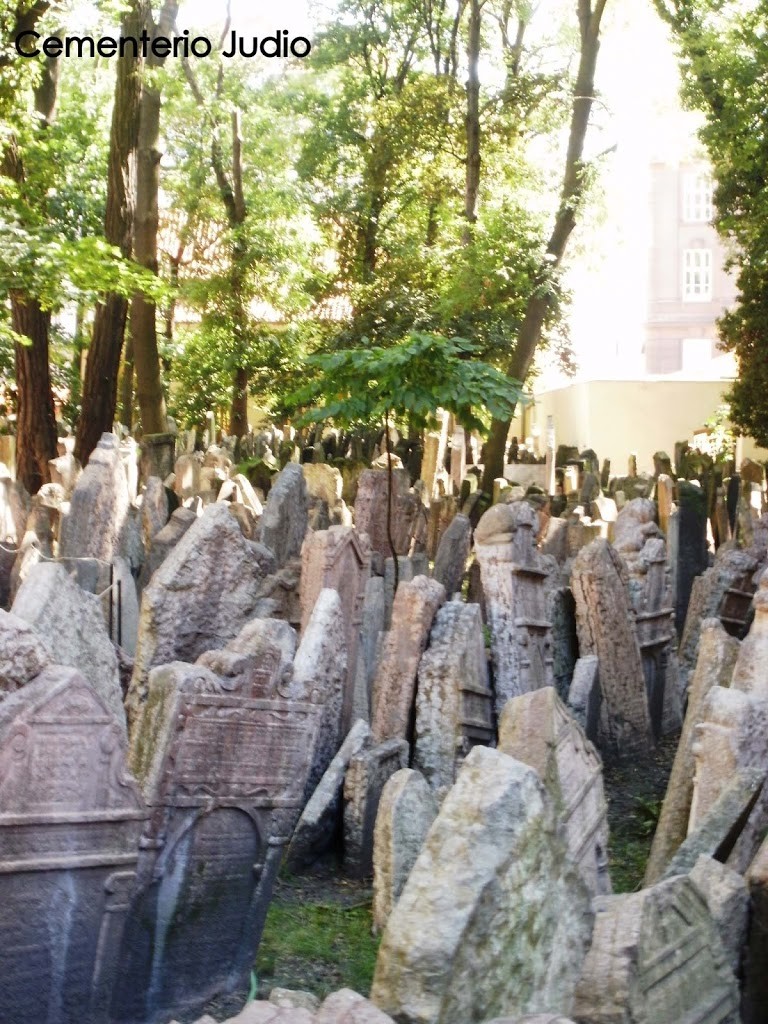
(99, 506)
(223, 763)
(656, 958)
(284, 521)
(70, 821)
(493, 919)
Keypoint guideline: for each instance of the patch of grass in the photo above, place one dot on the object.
(317, 947)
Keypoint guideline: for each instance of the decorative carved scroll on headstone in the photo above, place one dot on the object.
(70, 821)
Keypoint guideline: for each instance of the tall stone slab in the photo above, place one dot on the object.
(514, 584)
(750, 673)
(454, 701)
(692, 557)
(416, 604)
(199, 598)
(714, 593)
(70, 821)
(717, 655)
(366, 776)
(71, 628)
(371, 514)
(535, 728)
(338, 558)
(223, 764)
(406, 811)
(493, 920)
(371, 627)
(606, 628)
(656, 958)
(284, 521)
(452, 554)
(755, 987)
(99, 506)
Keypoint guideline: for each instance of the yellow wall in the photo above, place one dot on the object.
(619, 417)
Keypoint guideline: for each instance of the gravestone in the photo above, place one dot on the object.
(414, 609)
(199, 598)
(749, 673)
(70, 821)
(406, 811)
(371, 626)
(338, 558)
(223, 763)
(493, 919)
(535, 728)
(514, 585)
(99, 506)
(284, 521)
(367, 773)
(22, 654)
(691, 544)
(714, 666)
(165, 540)
(727, 898)
(656, 958)
(754, 1004)
(606, 628)
(452, 553)
(454, 700)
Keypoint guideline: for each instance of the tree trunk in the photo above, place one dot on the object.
(36, 423)
(565, 220)
(103, 364)
(149, 384)
(238, 424)
(472, 177)
(126, 382)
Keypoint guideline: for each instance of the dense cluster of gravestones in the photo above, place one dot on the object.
(205, 674)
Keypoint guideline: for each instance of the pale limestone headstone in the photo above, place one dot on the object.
(584, 697)
(750, 673)
(606, 628)
(22, 653)
(72, 631)
(727, 898)
(371, 627)
(535, 728)
(461, 944)
(458, 457)
(364, 781)
(338, 558)
(408, 568)
(416, 604)
(284, 521)
(454, 700)
(513, 576)
(406, 811)
(323, 482)
(70, 821)
(199, 598)
(717, 655)
(636, 971)
(154, 510)
(165, 540)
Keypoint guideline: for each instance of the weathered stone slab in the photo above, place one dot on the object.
(535, 728)
(224, 769)
(454, 701)
(656, 958)
(338, 558)
(199, 598)
(716, 833)
(165, 540)
(606, 628)
(750, 672)
(406, 811)
(408, 568)
(284, 522)
(727, 898)
(754, 1006)
(98, 507)
(70, 821)
(371, 513)
(717, 655)
(459, 945)
(584, 696)
(513, 576)
(71, 628)
(154, 510)
(561, 611)
(323, 482)
(371, 626)
(452, 554)
(366, 775)
(416, 604)
(318, 825)
(22, 654)
(691, 547)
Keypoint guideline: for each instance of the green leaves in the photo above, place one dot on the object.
(423, 372)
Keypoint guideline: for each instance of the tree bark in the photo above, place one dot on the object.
(103, 363)
(36, 419)
(472, 176)
(149, 383)
(126, 382)
(572, 191)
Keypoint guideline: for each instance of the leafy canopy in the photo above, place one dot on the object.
(412, 378)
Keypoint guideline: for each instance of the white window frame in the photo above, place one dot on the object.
(697, 198)
(697, 275)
